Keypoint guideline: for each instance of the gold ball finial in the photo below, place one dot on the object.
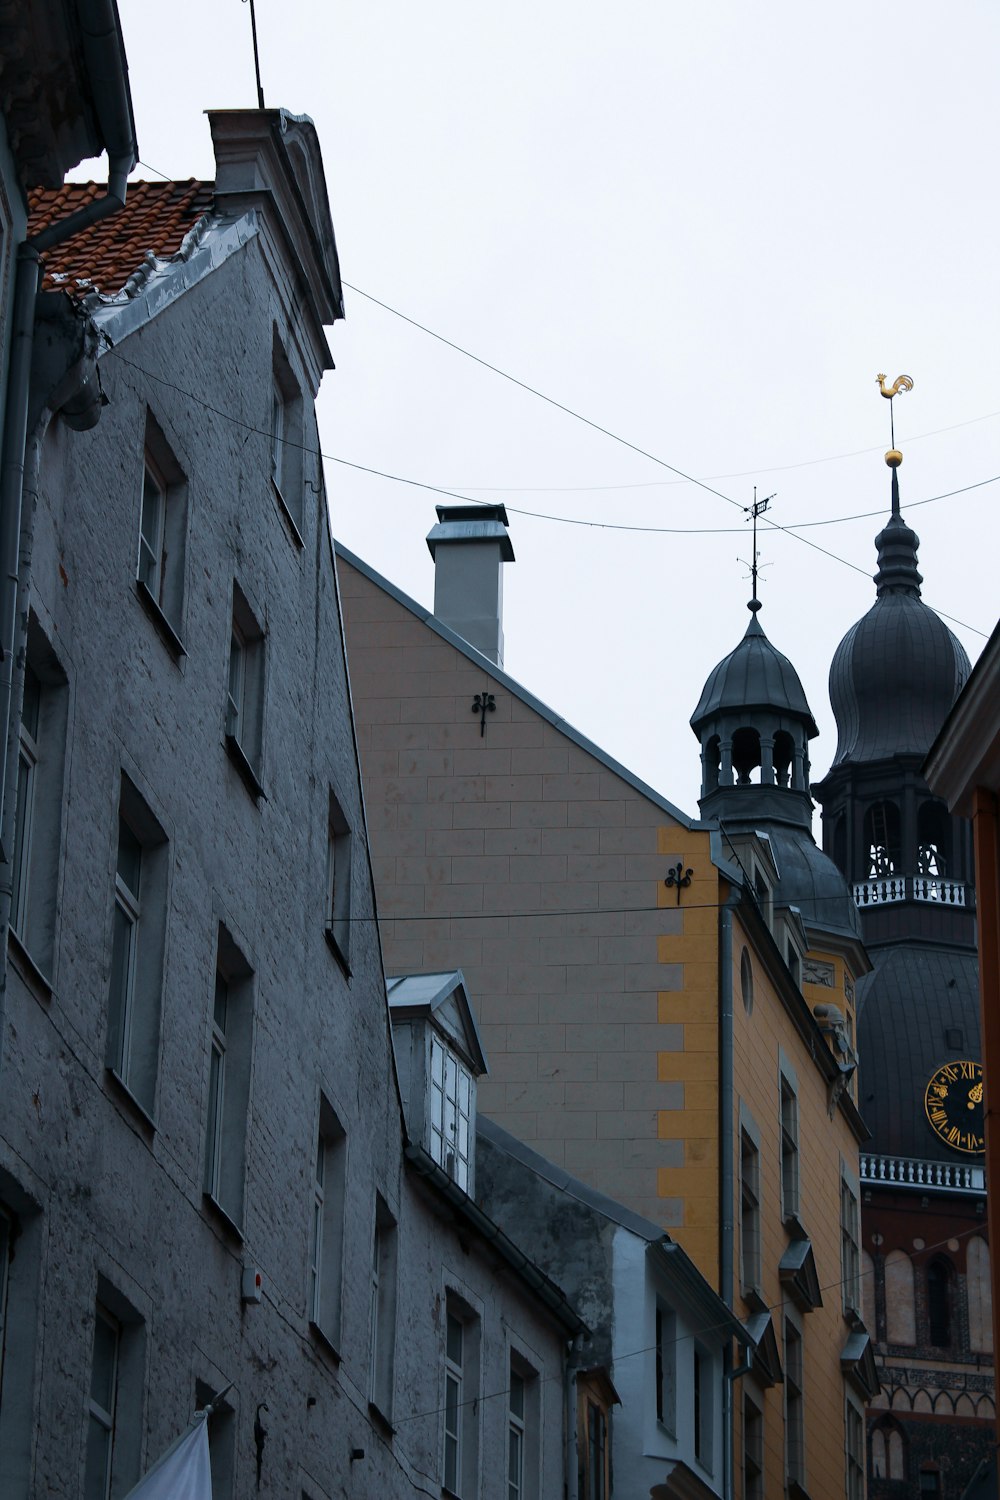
(894, 458)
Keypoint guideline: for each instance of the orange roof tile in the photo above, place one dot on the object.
(156, 217)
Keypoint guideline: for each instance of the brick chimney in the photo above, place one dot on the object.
(469, 546)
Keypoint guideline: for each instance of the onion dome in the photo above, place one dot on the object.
(754, 676)
(897, 672)
(754, 725)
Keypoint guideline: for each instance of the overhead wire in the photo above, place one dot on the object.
(566, 520)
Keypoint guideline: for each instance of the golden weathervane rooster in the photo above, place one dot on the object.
(901, 383)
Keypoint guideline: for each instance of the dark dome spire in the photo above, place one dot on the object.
(897, 672)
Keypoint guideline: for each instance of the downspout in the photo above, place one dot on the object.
(727, 1174)
(107, 72)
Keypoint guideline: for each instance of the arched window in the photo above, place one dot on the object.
(868, 1291)
(713, 759)
(932, 839)
(977, 1283)
(882, 839)
(900, 1314)
(897, 1455)
(840, 844)
(784, 755)
(877, 1452)
(939, 1276)
(746, 754)
(888, 1451)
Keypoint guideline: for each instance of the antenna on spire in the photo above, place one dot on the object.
(256, 53)
(894, 458)
(752, 512)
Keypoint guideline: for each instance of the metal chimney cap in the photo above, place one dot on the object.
(471, 523)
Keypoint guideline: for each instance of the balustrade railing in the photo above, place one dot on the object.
(925, 1176)
(879, 890)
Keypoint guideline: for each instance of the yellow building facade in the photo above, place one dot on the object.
(666, 1003)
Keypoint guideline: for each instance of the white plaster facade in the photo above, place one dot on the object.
(126, 1204)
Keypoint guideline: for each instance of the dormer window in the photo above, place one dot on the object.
(450, 1114)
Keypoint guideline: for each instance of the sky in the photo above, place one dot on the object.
(702, 228)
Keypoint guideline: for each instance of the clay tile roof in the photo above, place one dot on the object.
(156, 217)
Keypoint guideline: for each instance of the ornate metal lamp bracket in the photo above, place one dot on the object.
(678, 877)
(483, 704)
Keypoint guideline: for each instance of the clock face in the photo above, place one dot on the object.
(953, 1101)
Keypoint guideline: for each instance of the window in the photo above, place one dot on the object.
(939, 1275)
(21, 1233)
(338, 885)
(753, 1449)
(461, 1399)
(746, 981)
(228, 1079)
(450, 1113)
(245, 697)
(597, 1453)
(749, 1212)
(138, 930)
(101, 1407)
(701, 1381)
(162, 537)
(221, 1438)
(38, 824)
(666, 1367)
(286, 440)
(850, 1244)
(522, 1431)
(794, 1407)
(326, 1243)
(383, 1310)
(515, 1436)
(789, 1149)
(854, 1425)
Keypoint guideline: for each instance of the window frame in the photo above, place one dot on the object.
(161, 549)
(230, 1066)
(794, 1402)
(286, 442)
(854, 1449)
(326, 1231)
(463, 1378)
(750, 1209)
(850, 1243)
(243, 728)
(445, 1115)
(789, 1163)
(665, 1366)
(339, 878)
(703, 1370)
(135, 977)
(382, 1341)
(101, 1417)
(753, 1447)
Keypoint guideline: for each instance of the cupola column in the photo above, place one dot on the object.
(798, 770)
(766, 761)
(909, 830)
(726, 763)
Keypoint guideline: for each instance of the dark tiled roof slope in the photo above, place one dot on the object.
(157, 216)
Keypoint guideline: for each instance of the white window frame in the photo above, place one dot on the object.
(339, 876)
(665, 1366)
(750, 1256)
(128, 916)
(100, 1417)
(794, 1400)
(854, 1449)
(516, 1433)
(326, 1229)
(703, 1417)
(753, 1451)
(451, 1113)
(229, 1071)
(27, 766)
(244, 716)
(850, 1243)
(151, 565)
(383, 1311)
(788, 1132)
(216, 1088)
(454, 1402)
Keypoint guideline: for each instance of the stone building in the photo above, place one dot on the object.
(909, 862)
(204, 1185)
(667, 1004)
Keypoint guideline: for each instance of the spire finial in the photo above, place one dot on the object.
(894, 458)
(752, 512)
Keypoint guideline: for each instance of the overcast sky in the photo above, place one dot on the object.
(705, 228)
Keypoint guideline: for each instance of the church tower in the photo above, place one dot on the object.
(908, 864)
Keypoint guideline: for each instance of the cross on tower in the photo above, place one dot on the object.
(752, 512)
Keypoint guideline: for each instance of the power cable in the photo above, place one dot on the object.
(470, 500)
